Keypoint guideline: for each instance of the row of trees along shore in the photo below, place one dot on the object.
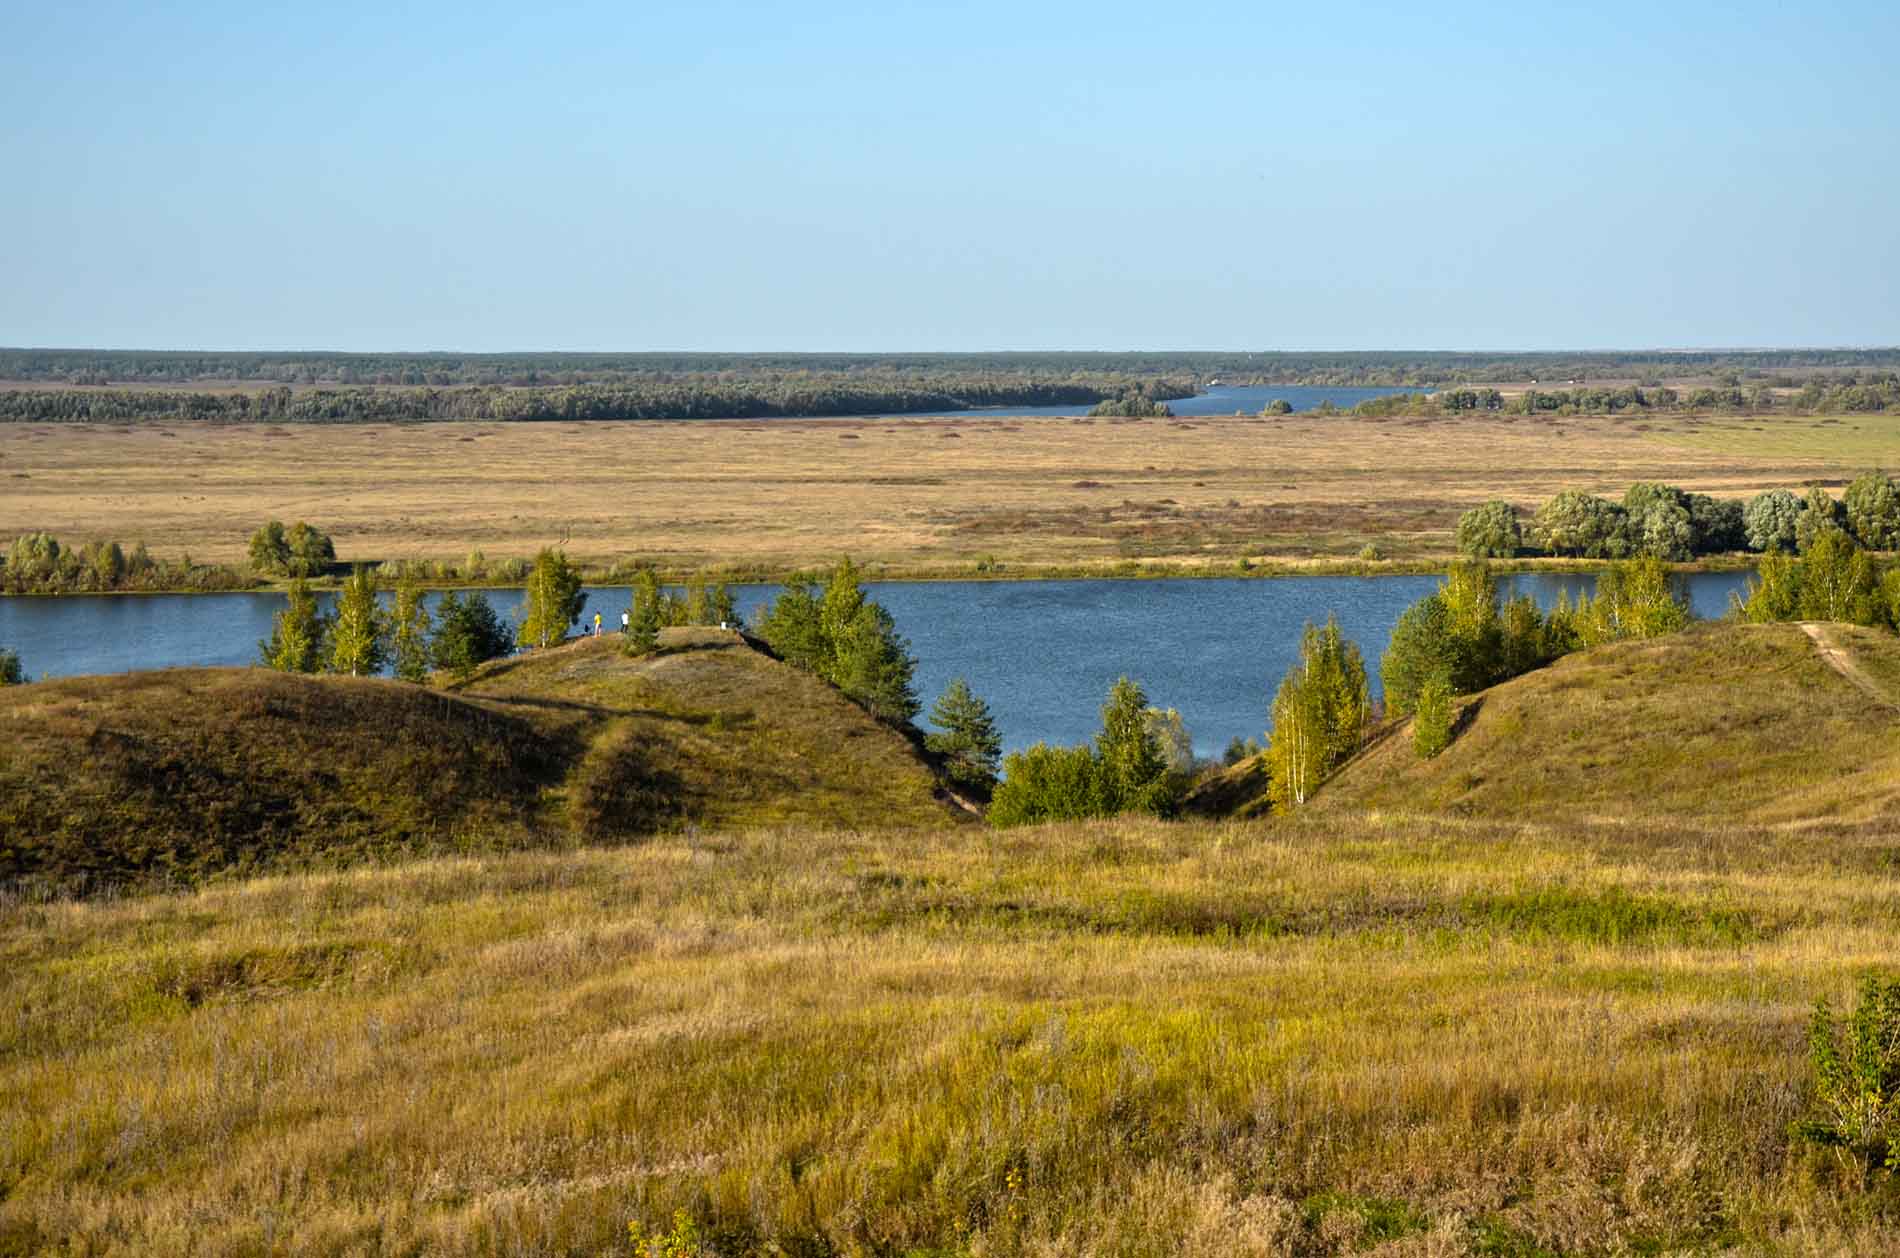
(1664, 522)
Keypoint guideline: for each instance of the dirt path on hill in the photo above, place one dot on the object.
(1843, 663)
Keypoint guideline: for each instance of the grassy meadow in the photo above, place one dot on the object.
(1320, 1035)
(921, 496)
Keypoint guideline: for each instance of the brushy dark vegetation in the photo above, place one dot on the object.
(1849, 393)
(39, 563)
(183, 774)
(345, 388)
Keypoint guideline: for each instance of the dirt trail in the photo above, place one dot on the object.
(1843, 663)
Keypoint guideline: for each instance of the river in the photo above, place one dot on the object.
(1220, 399)
(1042, 653)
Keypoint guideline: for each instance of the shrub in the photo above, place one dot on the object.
(11, 674)
(1856, 1064)
(1047, 783)
(1638, 599)
(646, 614)
(1490, 531)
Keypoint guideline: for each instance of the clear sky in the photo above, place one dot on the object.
(645, 174)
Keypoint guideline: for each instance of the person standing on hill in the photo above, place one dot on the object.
(596, 624)
(625, 621)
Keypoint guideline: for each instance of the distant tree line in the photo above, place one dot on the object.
(1394, 368)
(664, 398)
(38, 563)
(1848, 393)
(1666, 523)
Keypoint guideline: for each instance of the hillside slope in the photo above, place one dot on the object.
(1731, 722)
(182, 773)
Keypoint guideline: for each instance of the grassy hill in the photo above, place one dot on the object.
(1316, 1035)
(181, 773)
(1763, 723)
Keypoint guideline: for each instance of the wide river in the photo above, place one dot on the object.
(1220, 399)
(1042, 653)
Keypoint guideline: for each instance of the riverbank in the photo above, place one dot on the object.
(598, 574)
(910, 499)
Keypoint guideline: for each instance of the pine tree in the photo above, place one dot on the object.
(468, 632)
(409, 631)
(359, 636)
(554, 600)
(872, 663)
(646, 614)
(297, 634)
(969, 742)
(11, 673)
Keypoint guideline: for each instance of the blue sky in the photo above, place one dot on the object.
(722, 175)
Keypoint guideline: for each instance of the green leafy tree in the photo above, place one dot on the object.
(1819, 514)
(1431, 723)
(843, 599)
(467, 634)
(1135, 774)
(11, 674)
(646, 615)
(1576, 523)
(1717, 524)
(1659, 521)
(1491, 530)
(270, 549)
(554, 600)
(311, 551)
(1423, 648)
(1770, 519)
(359, 634)
(1872, 505)
(1319, 715)
(967, 739)
(298, 633)
(409, 627)
(1838, 581)
(1239, 749)
(1775, 592)
(1637, 599)
(1171, 734)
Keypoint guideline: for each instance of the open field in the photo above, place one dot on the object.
(920, 495)
(1322, 1035)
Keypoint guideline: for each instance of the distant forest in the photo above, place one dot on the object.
(116, 386)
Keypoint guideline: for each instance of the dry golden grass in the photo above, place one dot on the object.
(1725, 722)
(1323, 1035)
(921, 494)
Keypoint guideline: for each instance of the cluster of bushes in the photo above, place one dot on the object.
(1320, 715)
(11, 674)
(1126, 769)
(1666, 523)
(1136, 403)
(37, 563)
(476, 569)
(846, 638)
(299, 551)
